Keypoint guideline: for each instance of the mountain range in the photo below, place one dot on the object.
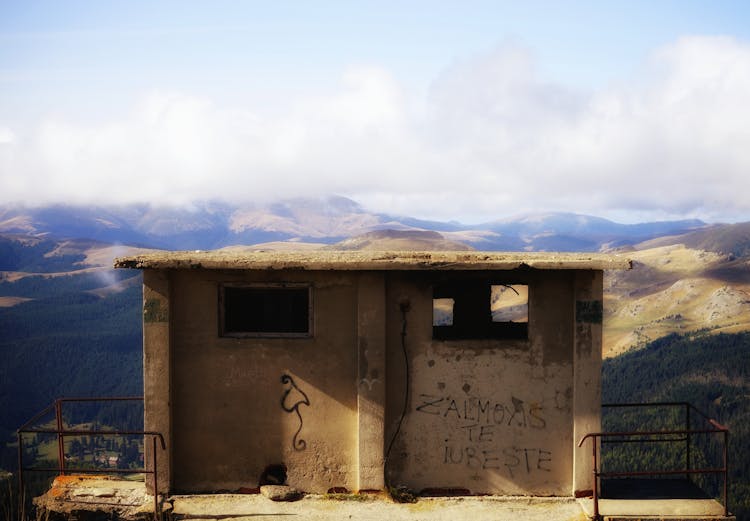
(212, 225)
(687, 275)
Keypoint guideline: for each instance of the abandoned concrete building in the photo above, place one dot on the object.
(468, 371)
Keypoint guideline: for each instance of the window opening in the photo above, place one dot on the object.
(442, 311)
(510, 303)
(265, 310)
(470, 309)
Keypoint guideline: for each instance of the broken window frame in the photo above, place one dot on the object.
(472, 314)
(271, 332)
(515, 289)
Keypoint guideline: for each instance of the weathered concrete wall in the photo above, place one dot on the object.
(588, 374)
(157, 371)
(490, 416)
(371, 380)
(229, 422)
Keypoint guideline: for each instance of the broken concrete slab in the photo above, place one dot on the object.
(281, 493)
(94, 498)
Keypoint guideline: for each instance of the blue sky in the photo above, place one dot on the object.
(468, 111)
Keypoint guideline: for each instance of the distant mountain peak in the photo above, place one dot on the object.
(325, 219)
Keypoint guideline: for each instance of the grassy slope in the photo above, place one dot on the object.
(675, 289)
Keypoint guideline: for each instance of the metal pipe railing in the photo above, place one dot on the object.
(645, 436)
(61, 432)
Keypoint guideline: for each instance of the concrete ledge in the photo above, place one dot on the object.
(94, 498)
(375, 508)
(657, 509)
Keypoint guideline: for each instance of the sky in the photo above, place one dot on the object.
(468, 111)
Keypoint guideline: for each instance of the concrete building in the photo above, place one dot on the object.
(441, 371)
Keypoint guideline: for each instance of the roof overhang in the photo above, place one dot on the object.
(372, 260)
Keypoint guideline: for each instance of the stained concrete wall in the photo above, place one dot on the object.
(587, 387)
(488, 416)
(157, 373)
(228, 419)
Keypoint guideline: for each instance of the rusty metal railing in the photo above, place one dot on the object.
(61, 432)
(660, 436)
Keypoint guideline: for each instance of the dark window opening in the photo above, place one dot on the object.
(279, 310)
(468, 310)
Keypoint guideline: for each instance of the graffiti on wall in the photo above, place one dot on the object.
(291, 401)
(477, 430)
(516, 460)
(513, 412)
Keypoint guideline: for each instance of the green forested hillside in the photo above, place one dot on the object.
(70, 326)
(65, 342)
(710, 372)
(65, 286)
(32, 254)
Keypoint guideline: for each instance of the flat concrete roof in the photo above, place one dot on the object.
(371, 260)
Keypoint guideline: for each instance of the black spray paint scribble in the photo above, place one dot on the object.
(291, 400)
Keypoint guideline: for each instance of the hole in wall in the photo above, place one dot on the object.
(274, 474)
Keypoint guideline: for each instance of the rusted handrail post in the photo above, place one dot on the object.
(595, 486)
(60, 437)
(156, 482)
(21, 484)
(687, 439)
(725, 462)
(726, 473)
(596, 480)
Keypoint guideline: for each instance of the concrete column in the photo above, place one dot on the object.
(371, 380)
(157, 374)
(587, 374)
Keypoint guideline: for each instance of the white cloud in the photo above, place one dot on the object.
(6, 136)
(490, 139)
